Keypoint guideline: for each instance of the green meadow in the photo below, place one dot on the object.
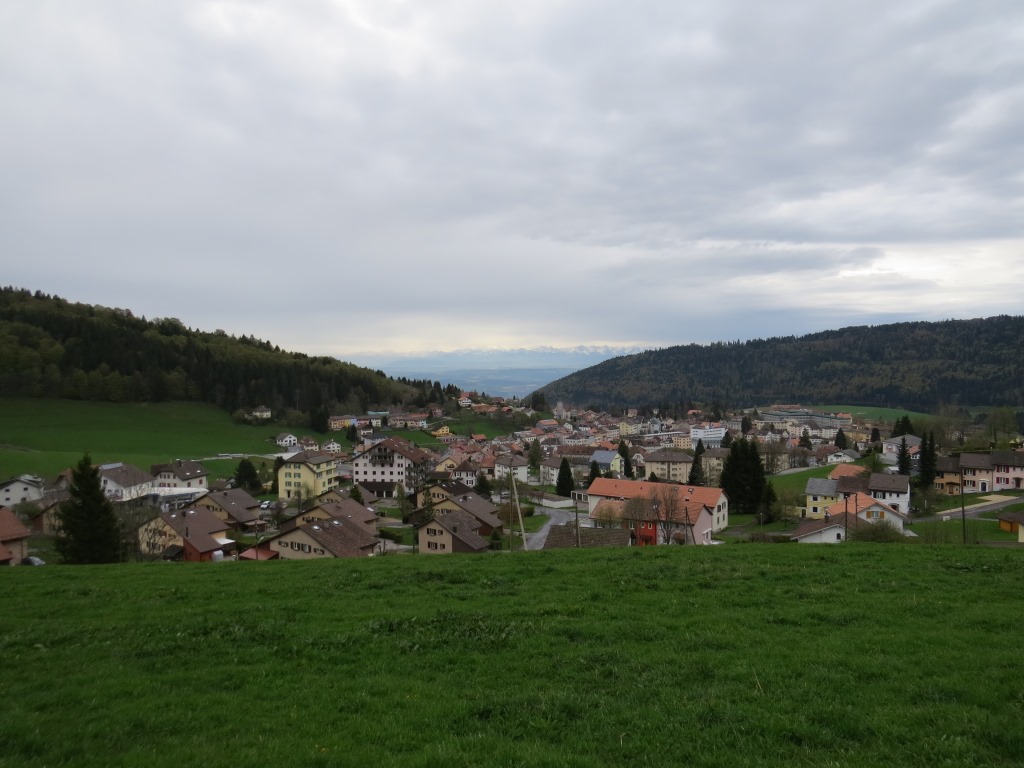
(43, 437)
(747, 655)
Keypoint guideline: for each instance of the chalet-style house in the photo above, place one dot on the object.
(193, 535)
(124, 482)
(335, 537)
(181, 473)
(235, 508)
(13, 538)
(451, 533)
(348, 510)
(306, 474)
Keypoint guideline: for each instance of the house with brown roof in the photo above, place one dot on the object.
(235, 507)
(451, 533)
(388, 462)
(307, 474)
(123, 482)
(13, 538)
(336, 537)
(669, 464)
(180, 473)
(193, 535)
(477, 507)
(569, 537)
(346, 509)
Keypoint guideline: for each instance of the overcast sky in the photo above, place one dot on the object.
(344, 177)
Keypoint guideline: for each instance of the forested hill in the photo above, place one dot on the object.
(916, 365)
(50, 347)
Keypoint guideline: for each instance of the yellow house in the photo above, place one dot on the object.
(307, 474)
(441, 431)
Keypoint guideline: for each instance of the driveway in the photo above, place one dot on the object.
(536, 540)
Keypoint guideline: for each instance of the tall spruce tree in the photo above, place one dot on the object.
(697, 476)
(595, 472)
(87, 530)
(841, 442)
(564, 485)
(743, 477)
(903, 458)
(928, 464)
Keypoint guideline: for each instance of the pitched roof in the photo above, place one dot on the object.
(11, 528)
(198, 527)
(564, 537)
(348, 509)
(820, 486)
(341, 537)
(125, 475)
(309, 457)
(889, 482)
(463, 526)
(857, 503)
(238, 504)
(841, 520)
(479, 507)
(183, 469)
(670, 455)
(629, 489)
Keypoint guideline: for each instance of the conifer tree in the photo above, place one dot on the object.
(564, 485)
(841, 442)
(903, 458)
(697, 476)
(743, 477)
(595, 472)
(87, 525)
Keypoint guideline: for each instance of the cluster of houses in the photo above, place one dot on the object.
(196, 520)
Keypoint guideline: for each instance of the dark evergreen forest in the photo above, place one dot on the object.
(53, 348)
(915, 365)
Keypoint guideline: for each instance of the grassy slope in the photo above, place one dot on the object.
(45, 436)
(730, 656)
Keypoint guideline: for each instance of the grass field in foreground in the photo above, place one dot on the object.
(727, 656)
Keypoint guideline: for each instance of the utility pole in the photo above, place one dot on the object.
(963, 511)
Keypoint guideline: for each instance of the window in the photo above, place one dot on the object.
(431, 545)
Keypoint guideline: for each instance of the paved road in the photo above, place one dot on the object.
(973, 510)
(555, 517)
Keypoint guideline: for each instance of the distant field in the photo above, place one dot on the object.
(870, 413)
(733, 656)
(45, 436)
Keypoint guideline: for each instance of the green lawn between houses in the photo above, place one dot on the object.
(852, 655)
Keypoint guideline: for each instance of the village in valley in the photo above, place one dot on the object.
(595, 479)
